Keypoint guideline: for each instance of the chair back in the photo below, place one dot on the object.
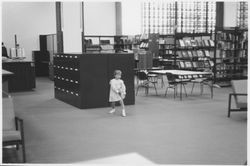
(240, 86)
(142, 75)
(8, 114)
(171, 78)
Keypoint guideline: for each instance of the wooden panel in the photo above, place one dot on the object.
(94, 81)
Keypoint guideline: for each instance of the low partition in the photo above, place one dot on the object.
(82, 80)
(23, 78)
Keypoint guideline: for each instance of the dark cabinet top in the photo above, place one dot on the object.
(16, 61)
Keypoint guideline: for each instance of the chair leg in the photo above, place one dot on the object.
(24, 154)
(212, 91)
(185, 89)
(166, 92)
(192, 88)
(162, 82)
(229, 106)
(201, 86)
(17, 146)
(137, 89)
(155, 89)
(175, 92)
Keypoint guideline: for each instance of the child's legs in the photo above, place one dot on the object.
(122, 104)
(113, 105)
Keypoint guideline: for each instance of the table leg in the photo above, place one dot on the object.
(181, 89)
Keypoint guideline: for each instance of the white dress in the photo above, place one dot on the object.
(116, 86)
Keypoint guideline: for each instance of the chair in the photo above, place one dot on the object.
(173, 81)
(240, 96)
(199, 79)
(13, 133)
(145, 80)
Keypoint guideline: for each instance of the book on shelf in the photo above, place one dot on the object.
(179, 53)
(195, 65)
(193, 43)
(206, 43)
(211, 52)
(200, 64)
(195, 53)
(184, 54)
(190, 54)
(206, 64)
(200, 53)
(199, 43)
(188, 64)
(187, 43)
(218, 53)
(211, 42)
(161, 41)
(211, 63)
(207, 54)
(182, 65)
(181, 43)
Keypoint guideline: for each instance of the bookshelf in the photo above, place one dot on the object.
(166, 50)
(110, 44)
(194, 51)
(230, 56)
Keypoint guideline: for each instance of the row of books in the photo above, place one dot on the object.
(224, 53)
(196, 43)
(194, 54)
(144, 45)
(225, 36)
(243, 45)
(166, 52)
(195, 64)
(166, 41)
(107, 47)
(226, 45)
(122, 41)
(242, 53)
(166, 47)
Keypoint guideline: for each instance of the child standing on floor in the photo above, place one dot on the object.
(117, 91)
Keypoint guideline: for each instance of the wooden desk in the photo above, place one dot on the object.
(24, 75)
(183, 74)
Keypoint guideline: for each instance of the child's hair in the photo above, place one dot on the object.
(117, 72)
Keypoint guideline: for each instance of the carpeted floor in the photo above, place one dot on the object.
(162, 130)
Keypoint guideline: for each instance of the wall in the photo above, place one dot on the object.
(99, 18)
(230, 14)
(72, 40)
(27, 20)
(131, 21)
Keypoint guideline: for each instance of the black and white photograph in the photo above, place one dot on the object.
(124, 82)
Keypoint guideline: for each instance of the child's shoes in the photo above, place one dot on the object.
(123, 113)
(112, 111)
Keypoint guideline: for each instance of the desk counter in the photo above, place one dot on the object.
(23, 78)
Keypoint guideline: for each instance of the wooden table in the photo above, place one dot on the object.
(183, 74)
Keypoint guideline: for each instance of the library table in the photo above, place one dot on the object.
(183, 74)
